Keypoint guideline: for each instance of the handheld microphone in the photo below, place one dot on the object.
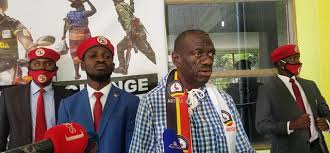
(171, 142)
(63, 138)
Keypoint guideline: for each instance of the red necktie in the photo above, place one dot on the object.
(297, 94)
(41, 126)
(299, 99)
(97, 111)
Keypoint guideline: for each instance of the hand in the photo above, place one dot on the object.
(322, 124)
(302, 122)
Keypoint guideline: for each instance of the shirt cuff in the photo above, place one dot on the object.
(290, 131)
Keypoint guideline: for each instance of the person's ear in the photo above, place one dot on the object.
(281, 64)
(83, 65)
(113, 66)
(176, 58)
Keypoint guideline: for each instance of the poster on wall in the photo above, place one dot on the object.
(136, 30)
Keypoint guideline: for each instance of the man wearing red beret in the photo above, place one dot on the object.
(292, 109)
(27, 111)
(103, 109)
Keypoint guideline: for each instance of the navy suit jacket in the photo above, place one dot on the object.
(117, 122)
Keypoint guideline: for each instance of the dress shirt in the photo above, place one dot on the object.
(285, 79)
(105, 90)
(49, 104)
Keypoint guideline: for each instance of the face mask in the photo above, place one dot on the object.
(41, 76)
(293, 68)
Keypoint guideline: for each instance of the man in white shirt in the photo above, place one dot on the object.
(291, 108)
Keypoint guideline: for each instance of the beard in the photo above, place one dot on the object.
(99, 77)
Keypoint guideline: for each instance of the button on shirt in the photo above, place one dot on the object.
(105, 90)
(286, 81)
(49, 103)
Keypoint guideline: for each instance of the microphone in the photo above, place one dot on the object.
(171, 142)
(63, 138)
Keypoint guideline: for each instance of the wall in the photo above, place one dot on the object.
(313, 33)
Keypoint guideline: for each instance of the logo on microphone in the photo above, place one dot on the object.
(183, 142)
(175, 145)
(73, 130)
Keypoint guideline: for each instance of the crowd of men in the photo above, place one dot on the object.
(183, 113)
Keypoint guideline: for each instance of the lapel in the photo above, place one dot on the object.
(285, 96)
(57, 99)
(109, 107)
(85, 113)
(309, 95)
(25, 105)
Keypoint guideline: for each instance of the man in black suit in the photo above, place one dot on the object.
(27, 111)
(291, 108)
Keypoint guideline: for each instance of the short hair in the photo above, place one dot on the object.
(179, 39)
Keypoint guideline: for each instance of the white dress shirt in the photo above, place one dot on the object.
(288, 84)
(49, 104)
(105, 90)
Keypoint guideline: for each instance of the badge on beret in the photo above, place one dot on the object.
(40, 52)
(42, 78)
(102, 40)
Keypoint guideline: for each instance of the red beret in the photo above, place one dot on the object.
(283, 52)
(42, 52)
(68, 138)
(93, 42)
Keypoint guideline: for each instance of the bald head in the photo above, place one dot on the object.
(179, 41)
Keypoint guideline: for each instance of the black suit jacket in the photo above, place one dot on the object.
(276, 106)
(15, 114)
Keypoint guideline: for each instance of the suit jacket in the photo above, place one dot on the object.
(15, 114)
(117, 121)
(276, 106)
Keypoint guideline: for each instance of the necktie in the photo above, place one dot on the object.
(299, 100)
(97, 111)
(41, 126)
(297, 94)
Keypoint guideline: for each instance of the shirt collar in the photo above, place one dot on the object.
(105, 90)
(35, 88)
(285, 78)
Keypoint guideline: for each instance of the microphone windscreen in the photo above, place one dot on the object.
(171, 142)
(68, 138)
